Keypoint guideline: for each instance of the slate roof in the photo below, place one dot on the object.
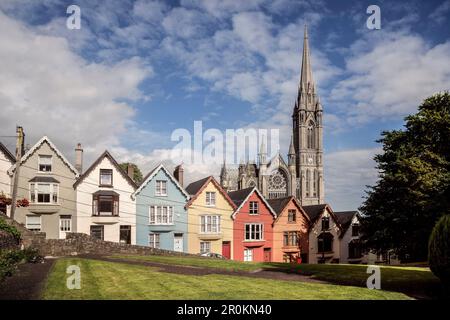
(44, 179)
(279, 204)
(314, 211)
(195, 186)
(344, 218)
(239, 196)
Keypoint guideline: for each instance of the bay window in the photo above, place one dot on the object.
(105, 204)
(44, 193)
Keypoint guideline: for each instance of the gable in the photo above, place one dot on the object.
(292, 203)
(159, 171)
(200, 198)
(44, 142)
(8, 156)
(326, 212)
(256, 192)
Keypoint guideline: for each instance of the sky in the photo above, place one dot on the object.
(138, 70)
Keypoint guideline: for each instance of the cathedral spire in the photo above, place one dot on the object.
(306, 78)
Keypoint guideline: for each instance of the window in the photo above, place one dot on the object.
(106, 177)
(153, 240)
(355, 230)
(311, 136)
(325, 242)
(161, 215)
(210, 199)
(125, 234)
(33, 223)
(254, 232)
(315, 183)
(308, 182)
(248, 255)
(45, 163)
(290, 238)
(209, 224)
(205, 247)
(354, 249)
(292, 216)
(253, 207)
(97, 232)
(105, 205)
(325, 223)
(44, 192)
(161, 188)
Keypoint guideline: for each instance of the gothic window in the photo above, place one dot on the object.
(308, 182)
(277, 185)
(251, 184)
(311, 136)
(325, 242)
(315, 184)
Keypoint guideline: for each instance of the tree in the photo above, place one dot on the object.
(439, 251)
(413, 189)
(137, 174)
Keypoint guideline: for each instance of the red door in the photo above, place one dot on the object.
(226, 249)
(267, 255)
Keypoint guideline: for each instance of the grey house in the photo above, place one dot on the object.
(46, 179)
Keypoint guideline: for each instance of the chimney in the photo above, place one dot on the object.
(79, 158)
(130, 171)
(178, 174)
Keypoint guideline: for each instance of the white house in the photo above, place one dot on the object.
(6, 161)
(105, 208)
(350, 243)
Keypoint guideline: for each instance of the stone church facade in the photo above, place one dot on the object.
(302, 175)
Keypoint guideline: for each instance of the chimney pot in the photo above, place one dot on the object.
(79, 158)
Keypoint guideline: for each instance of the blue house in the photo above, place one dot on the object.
(161, 217)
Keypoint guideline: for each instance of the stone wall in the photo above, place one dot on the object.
(8, 241)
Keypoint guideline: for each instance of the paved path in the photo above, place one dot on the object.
(27, 282)
(201, 271)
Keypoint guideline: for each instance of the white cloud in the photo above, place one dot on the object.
(346, 175)
(49, 90)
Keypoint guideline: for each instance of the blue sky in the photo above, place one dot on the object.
(137, 70)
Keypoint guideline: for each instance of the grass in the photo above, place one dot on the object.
(420, 282)
(112, 280)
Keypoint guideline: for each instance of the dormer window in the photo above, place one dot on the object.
(161, 188)
(106, 177)
(325, 223)
(45, 163)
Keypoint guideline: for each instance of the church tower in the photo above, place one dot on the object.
(308, 135)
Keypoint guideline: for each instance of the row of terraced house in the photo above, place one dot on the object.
(105, 202)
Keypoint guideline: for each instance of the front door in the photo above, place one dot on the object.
(248, 255)
(178, 242)
(226, 249)
(125, 234)
(65, 225)
(267, 255)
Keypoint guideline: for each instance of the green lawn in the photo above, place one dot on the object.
(111, 280)
(419, 281)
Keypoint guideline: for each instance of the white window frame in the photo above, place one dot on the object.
(40, 156)
(204, 244)
(34, 191)
(253, 206)
(161, 188)
(34, 229)
(210, 198)
(210, 224)
(152, 239)
(253, 232)
(248, 255)
(156, 215)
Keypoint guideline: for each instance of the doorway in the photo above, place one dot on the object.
(178, 242)
(267, 254)
(65, 225)
(226, 249)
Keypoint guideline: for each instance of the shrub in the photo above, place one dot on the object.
(8, 262)
(10, 229)
(439, 250)
(31, 255)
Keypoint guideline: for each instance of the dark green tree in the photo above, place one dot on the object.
(413, 189)
(439, 251)
(137, 175)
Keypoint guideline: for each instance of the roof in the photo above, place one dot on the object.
(105, 193)
(314, 211)
(105, 154)
(44, 179)
(195, 189)
(279, 204)
(240, 197)
(150, 176)
(53, 147)
(7, 153)
(344, 218)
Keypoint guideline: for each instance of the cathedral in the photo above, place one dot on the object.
(302, 175)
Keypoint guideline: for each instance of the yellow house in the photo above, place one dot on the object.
(210, 227)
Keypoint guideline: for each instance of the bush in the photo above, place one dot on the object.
(10, 229)
(9, 259)
(439, 250)
(31, 255)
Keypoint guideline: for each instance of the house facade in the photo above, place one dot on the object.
(105, 208)
(7, 160)
(161, 216)
(324, 232)
(351, 250)
(290, 231)
(210, 226)
(252, 226)
(46, 178)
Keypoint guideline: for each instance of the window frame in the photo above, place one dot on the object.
(153, 217)
(294, 214)
(357, 227)
(33, 216)
(329, 237)
(99, 227)
(207, 244)
(34, 193)
(251, 208)
(252, 232)
(115, 199)
(40, 156)
(159, 188)
(246, 255)
(101, 173)
(154, 240)
(204, 223)
(210, 198)
(327, 219)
